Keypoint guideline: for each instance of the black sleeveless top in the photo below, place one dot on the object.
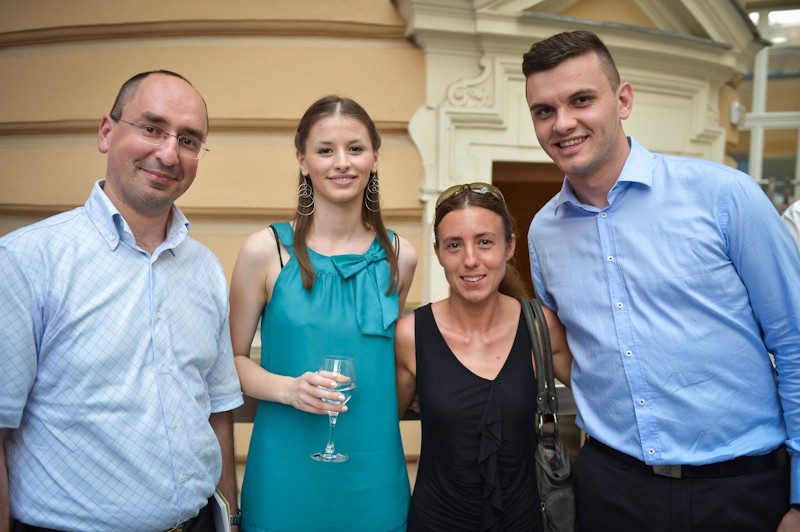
(476, 469)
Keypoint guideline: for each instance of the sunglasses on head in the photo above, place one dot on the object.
(477, 187)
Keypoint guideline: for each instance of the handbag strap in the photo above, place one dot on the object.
(546, 399)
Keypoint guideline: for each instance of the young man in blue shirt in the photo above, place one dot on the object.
(675, 279)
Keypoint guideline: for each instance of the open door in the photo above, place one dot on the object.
(526, 188)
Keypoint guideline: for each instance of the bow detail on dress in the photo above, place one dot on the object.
(376, 311)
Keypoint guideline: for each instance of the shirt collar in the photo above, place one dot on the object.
(636, 170)
(113, 228)
(637, 167)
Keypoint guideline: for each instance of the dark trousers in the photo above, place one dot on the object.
(613, 495)
(203, 522)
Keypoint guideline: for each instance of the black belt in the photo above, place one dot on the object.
(737, 466)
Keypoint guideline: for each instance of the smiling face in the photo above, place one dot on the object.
(577, 117)
(472, 248)
(146, 178)
(338, 159)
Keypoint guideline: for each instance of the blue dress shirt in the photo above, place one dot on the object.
(673, 296)
(113, 359)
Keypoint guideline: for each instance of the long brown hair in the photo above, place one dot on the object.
(512, 284)
(370, 218)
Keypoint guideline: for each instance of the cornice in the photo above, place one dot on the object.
(216, 125)
(411, 215)
(690, 41)
(201, 28)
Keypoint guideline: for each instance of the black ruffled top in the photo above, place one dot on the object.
(476, 469)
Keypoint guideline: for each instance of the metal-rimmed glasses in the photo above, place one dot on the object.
(477, 187)
(189, 146)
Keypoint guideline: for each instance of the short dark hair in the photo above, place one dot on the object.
(551, 52)
(128, 89)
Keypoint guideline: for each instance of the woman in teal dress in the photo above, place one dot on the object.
(331, 282)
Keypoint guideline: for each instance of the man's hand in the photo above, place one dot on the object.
(790, 521)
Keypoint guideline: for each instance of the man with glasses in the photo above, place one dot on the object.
(675, 280)
(116, 376)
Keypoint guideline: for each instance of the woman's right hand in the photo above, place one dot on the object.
(307, 391)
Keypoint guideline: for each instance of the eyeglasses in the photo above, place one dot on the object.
(189, 146)
(477, 187)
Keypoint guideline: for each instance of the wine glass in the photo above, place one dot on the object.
(343, 371)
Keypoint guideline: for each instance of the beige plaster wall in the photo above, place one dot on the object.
(37, 14)
(259, 64)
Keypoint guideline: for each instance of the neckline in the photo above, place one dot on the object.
(371, 245)
(458, 361)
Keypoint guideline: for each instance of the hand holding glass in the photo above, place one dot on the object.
(343, 371)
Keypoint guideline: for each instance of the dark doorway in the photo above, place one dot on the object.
(526, 188)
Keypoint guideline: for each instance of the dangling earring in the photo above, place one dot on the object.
(305, 198)
(373, 193)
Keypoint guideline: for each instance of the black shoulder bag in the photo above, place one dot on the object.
(553, 468)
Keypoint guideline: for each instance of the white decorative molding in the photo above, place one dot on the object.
(475, 111)
(684, 107)
(472, 93)
(786, 120)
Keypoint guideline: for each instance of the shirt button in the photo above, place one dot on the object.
(159, 315)
(619, 304)
(651, 452)
(628, 353)
(174, 423)
(112, 237)
(164, 370)
(641, 402)
(183, 478)
(610, 258)
(603, 215)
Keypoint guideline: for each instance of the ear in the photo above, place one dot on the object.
(436, 250)
(301, 160)
(375, 164)
(104, 133)
(625, 100)
(512, 246)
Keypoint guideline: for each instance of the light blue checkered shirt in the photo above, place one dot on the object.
(112, 361)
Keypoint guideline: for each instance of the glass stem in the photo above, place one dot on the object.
(332, 417)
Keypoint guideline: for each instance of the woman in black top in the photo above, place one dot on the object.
(468, 360)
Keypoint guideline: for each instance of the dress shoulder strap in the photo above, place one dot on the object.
(277, 243)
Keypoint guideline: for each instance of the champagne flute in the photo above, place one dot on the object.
(336, 367)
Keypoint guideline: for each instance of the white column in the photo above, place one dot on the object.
(759, 104)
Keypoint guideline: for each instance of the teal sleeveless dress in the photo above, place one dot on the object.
(347, 312)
